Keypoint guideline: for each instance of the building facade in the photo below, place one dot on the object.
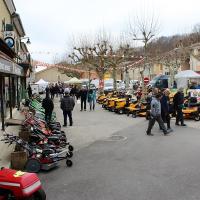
(14, 59)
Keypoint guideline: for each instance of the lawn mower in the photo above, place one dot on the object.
(122, 103)
(18, 185)
(101, 98)
(137, 109)
(191, 109)
(40, 159)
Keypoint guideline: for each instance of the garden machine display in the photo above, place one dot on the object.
(41, 159)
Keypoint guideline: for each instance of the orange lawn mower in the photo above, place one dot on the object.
(191, 109)
(137, 109)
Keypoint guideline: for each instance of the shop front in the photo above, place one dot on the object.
(11, 84)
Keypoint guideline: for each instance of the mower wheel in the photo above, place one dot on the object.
(197, 117)
(69, 154)
(33, 165)
(121, 112)
(134, 115)
(39, 195)
(69, 163)
(71, 148)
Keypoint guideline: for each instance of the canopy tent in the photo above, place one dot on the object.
(73, 81)
(41, 82)
(42, 85)
(183, 77)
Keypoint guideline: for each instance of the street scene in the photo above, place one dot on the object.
(99, 100)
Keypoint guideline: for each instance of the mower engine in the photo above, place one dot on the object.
(18, 185)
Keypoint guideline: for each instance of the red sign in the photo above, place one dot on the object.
(146, 80)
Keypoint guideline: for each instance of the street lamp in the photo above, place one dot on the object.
(28, 42)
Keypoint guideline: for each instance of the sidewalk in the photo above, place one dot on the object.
(6, 150)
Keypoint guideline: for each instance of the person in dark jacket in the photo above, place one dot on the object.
(165, 108)
(67, 106)
(29, 91)
(83, 94)
(48, 106)
(178, 106)
(155, 115)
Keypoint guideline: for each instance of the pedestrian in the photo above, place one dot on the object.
(56, 89)
(155, 115)
(139, 94)
(52, 91)
(83, 95)
(67, 106)
(29, 91)
(92, 99)
(165, 109)
(73, 91)
(48, 106)
(178, 101)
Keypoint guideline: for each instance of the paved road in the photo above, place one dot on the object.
(140, 167)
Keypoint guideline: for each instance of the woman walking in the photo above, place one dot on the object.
(92, 99)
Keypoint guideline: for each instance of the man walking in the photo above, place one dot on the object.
(155, 115)
(83, 94)
(67, 105)
(48, 106)
(178, 106)
(165, 109)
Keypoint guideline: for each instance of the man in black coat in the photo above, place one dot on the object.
(83, 94)
(178, 106)
(48, 105)
(165, 108)
(67, 106)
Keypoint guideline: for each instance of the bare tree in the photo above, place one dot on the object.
(94, 56)
(144, 30)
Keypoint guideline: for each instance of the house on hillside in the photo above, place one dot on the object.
(195, 57)
(52, 74)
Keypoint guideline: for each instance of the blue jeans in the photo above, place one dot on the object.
(92, 104)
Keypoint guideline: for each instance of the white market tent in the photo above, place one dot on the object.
(183, 77)
(42, 85)
(42, 82)
(73, 81)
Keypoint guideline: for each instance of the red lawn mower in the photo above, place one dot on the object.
(40, 159)
(18, 185)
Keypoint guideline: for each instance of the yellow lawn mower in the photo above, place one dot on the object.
(137, 109)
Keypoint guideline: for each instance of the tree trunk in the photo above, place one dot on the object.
(114, 78)
(142, 78)
(101, 82)
(127, 79)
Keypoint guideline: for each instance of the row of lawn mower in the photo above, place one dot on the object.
(128, 104)
(124, 104)
(46, 143)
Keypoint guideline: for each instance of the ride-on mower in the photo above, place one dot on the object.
(18, 185)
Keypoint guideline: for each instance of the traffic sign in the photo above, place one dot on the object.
(146, 80)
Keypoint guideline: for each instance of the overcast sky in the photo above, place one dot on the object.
(50, 24)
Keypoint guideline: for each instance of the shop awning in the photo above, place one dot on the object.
(8, 66)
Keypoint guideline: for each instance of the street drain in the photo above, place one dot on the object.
(116, 138)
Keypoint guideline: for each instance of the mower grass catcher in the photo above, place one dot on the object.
(18, 185)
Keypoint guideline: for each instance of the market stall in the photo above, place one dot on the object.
(184, 78)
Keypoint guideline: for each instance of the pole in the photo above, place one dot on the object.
(2, 102)
(10, 97)
(18, 102)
